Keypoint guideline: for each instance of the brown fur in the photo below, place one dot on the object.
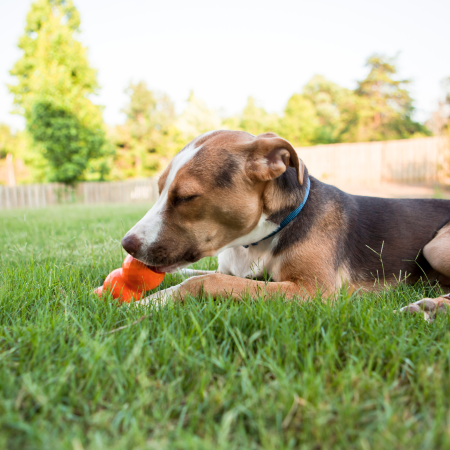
(219, 285)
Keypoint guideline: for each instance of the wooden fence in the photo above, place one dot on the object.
(402, 161)
(38, 195)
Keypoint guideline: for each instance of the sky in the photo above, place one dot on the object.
(227, 51)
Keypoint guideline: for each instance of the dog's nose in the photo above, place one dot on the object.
(131, 244)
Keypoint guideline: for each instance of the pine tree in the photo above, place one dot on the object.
(54, 82)
(383, 107)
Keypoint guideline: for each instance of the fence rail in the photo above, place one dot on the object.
(402, 161)
(38, 195)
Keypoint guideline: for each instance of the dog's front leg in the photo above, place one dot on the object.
(161, 297)
(219, 285)
(187, 273)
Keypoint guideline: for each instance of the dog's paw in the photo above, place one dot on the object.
(158, 299)
(429, 307)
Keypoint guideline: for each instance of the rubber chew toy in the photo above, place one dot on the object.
(131, 281)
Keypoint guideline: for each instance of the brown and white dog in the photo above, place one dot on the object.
(230, 189)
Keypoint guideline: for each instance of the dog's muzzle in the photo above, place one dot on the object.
(131, 243)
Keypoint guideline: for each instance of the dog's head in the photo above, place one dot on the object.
(211, 198)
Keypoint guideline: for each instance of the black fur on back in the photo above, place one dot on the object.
(365, 229)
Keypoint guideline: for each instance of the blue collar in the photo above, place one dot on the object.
(288, 219)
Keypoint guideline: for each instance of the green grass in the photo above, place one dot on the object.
(203, 375)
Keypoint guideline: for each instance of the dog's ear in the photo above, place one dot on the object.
(270, 156)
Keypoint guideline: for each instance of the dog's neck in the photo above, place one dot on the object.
(283, 195)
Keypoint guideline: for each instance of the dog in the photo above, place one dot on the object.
(251, 201)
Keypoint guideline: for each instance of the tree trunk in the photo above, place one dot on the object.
(10, 177)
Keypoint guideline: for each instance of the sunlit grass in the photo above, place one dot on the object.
(205, 374)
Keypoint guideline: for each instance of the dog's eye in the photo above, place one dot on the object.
(178, 200)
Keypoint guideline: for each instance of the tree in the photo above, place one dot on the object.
(439, 124)
(328, 100)
(254, 119)
(314, 116)
(148, 138)
(14, 143)
(197, 119)
(446, 86)
(54, 83)
(7, 141)
(382, 108)
(300, 122)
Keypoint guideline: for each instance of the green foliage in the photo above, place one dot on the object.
(379, 109)
(383, 107)
(254, 119)
(324, 113)
(8, 141)
(54, 79)
(204, 374)
(149, 137)
(300, 122)
(68, 144)
(17, 144)
(196, 119)
(328, 100)
(315, 116)
(446, 85)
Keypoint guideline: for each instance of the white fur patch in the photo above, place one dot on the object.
(342, 276)
(256, 261)
(262, 229)
(208, 133)
(159, 298)
(148, 228)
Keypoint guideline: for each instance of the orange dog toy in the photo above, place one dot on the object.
(131, 281)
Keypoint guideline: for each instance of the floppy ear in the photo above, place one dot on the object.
(270, 156)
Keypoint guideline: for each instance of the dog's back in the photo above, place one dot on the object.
(384, 238)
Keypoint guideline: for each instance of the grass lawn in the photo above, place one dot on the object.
(205, 374)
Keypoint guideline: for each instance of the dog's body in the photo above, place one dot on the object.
(227, 190)
(338, 237)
